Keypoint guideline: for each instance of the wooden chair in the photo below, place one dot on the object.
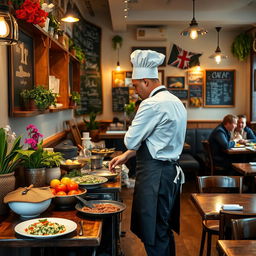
(216, 184)
(243, 229)
(209, 159)
(72, 125)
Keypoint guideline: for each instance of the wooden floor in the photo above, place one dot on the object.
(187, 243)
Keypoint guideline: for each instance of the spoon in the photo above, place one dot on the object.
(24, 192)
(85, 202)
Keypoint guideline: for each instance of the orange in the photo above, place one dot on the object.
(54, 183)
(65, 180)
(61, 193)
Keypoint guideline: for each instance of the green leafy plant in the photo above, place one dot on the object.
(54, 23)
(242, 45)
(92, 124)
(9, 144)
(79, 54)
(129, 108)
(54, 159)
(117, 42)
(76, 97)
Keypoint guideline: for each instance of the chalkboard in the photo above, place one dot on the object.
(219, 88)
(21, 69)
(88, 37)
(181, 94)
(120, 97)
(195, 90)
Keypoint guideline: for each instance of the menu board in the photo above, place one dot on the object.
(88, 37)
(219, 88)
(195, 90)
(181, 94)
(120, 97)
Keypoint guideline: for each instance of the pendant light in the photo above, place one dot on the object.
(218, 55)
(118, 67)
(193, 30)
(70, 15)
(9, 31)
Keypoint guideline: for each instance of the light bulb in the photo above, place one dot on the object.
(4, 28)
(217, 59)
(198, 68)
(70, 19)
(118, 68)
(193, 34)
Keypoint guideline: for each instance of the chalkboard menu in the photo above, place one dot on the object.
(120, 97)
(195, 90)
(181, 94)
(219, 88)
(21, 69)
(88, 37)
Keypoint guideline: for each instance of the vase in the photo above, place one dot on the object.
(7, 184)
(35, 176)
(52, 173)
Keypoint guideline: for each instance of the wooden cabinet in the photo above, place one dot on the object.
(50, 58)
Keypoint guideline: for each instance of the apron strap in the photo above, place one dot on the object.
(160, 90)
(179, 176)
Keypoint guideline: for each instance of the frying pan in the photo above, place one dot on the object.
(120, 205)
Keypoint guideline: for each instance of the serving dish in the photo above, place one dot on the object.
(69, 225)
(103, 151)
(90, 181)
(105, 173)
(69, 167)
(120, 205)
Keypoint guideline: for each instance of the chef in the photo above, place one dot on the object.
(156, 136)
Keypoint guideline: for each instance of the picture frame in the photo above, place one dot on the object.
(153, 48)
(161, 76)
(175, 82)
(195, 77)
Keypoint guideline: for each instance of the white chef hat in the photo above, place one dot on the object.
(145, 63)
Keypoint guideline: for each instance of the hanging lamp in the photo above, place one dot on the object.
(70, 15)
(9, 31)
(218, 55)
(118, 67)
(193, 30)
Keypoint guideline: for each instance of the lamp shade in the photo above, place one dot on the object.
(9, 32)
(70, 15)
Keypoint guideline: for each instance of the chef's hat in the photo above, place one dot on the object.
(145, 63)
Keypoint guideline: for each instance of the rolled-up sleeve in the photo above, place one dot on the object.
(142, 126)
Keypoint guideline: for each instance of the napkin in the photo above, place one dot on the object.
(232, 207)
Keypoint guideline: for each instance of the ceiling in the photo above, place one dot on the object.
(229, 14)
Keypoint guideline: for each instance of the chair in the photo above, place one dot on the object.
(72, 125)
(243, 228)
(209, 159)
(216, 184)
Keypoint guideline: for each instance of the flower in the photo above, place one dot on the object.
(33, 135)
(9, 144)
(47, 7)
(30, 11)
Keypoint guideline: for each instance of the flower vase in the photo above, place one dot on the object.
(7, 184)
(35, 176)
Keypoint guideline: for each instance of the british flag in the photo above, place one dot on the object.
(183, 59)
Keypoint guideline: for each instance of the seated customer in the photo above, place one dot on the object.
(220, 141)
(242, 132)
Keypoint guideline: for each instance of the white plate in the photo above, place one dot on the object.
(252, 163)
(69, 224)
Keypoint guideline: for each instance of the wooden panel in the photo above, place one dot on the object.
(203, 123)
(55, 139)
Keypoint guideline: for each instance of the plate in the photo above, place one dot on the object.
(101, 215)
(239, 145)
(90, 181)
(252, 163)
(105, 173)
(103, 151)
(69, 224)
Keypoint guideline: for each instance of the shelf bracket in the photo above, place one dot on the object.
(43, 40)
(50, 44)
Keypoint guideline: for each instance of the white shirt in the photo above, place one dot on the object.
(160, 120)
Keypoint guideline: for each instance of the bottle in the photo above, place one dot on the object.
(85, 154)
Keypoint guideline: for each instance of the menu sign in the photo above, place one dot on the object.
(219, 88)
(181, 94)
(120, 97)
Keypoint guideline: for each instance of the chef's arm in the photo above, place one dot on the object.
(122, 159)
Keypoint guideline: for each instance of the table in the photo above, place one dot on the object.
(209, 204)
(238, 247)
(91, 237)
(238, 151)
(245, 168)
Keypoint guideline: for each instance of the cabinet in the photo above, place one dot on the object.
(50, 58)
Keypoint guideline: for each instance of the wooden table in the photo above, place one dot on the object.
(245, 168)
(239, 151)
(209, 204)
(112, 135)
(91, 237)
(238, 247)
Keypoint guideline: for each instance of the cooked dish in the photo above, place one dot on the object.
(102, 151)
(89, 179)
(101, 208)
(45, 228)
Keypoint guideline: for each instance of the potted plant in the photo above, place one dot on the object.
(9, 159)
(54, 24)
(117, 42)
(34, 159)
(75, 98)
(92, 126)
(242, 45)
(27, 102)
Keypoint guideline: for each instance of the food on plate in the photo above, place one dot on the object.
(44, 227)
(72, 186)
(65, 180)
(54, 183)
(102, 150)
(71, 162)
(89, 179)
(61, 187)
(64, 187)
(101, 208)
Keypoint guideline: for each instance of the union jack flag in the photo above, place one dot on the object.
(183, 59)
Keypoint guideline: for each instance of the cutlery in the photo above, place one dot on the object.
(24, 192)
(81, 231)
(84, 202)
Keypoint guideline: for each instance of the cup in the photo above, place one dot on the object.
(86, 135)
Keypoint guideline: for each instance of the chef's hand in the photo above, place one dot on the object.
(122, 159)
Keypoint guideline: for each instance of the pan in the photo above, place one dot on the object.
(120, 205)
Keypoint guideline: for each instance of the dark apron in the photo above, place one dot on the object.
(155, 193)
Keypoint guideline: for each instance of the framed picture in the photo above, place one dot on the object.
(157, 49)
(195, 77)
(161, 76)
(175, 82)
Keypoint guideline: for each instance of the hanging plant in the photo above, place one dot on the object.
(242, 45)
(117, 42)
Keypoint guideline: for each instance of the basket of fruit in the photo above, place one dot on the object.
(70, 164)
(65, 191)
